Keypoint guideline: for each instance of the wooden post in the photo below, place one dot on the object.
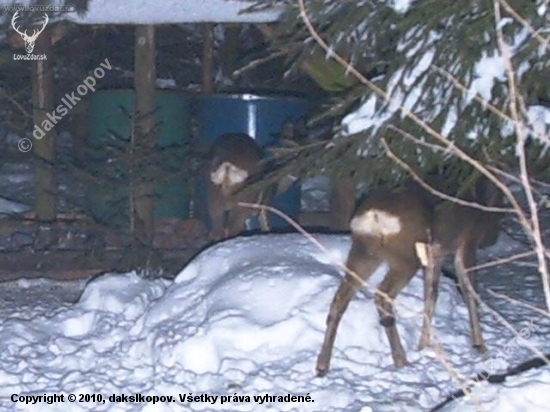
(208, 58)
(229, 50)
(44, 130)
(143, 201)
(77, 121)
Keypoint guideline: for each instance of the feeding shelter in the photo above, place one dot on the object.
(91, 108)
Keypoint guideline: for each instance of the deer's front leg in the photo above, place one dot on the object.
(216, 210)
(466, 258)
(236, 220)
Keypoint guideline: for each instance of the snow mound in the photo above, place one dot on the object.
(245, 318)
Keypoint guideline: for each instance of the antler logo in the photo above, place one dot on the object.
(29, 40)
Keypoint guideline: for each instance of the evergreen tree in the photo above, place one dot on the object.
(418, 52)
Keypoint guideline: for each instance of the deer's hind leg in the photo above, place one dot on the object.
(363, 265)
(399, 275)
(465, 258)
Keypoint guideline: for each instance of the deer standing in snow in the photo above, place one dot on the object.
(387, 227)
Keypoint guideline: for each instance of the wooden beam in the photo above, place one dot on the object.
(208, 58)
(229, 50)
(44, 143)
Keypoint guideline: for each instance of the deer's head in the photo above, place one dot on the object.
(29, 40)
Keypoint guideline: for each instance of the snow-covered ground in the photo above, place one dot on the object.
(246, 318)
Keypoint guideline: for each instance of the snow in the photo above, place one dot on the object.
(9, 207)
(523, 393)
(539, 120)
(416, 86)
(422, 66)
(488, 70)
(247, 317)
(365, 117)
(542, 7)
(450, 122)
(400, 6)
(164, 12)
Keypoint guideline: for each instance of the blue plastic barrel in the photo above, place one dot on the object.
(261, 117)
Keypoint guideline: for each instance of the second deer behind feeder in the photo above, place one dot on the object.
(387, 227)
(233, 160)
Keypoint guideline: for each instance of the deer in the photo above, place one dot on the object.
(235, 161)
(388, 226)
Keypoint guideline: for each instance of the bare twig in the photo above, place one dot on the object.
(525, 23)
(258, 62)
(500, 261)
(18, 105)
(430, 189)
(518, 302)
(534, 225)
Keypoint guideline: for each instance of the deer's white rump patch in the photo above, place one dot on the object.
(375, 222)
(229, 174)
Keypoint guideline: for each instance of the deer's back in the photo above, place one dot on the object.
(238, 149)
(455, 223)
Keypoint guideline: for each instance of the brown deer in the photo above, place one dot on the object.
(387, 227)
(233, 160)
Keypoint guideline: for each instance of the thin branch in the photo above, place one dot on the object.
(442, 195)
(15, 103)
(518, 302)
(500, 261)
(525, 23)
(535, 231)
(258, 62)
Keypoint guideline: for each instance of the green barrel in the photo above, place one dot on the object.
(109, 115)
